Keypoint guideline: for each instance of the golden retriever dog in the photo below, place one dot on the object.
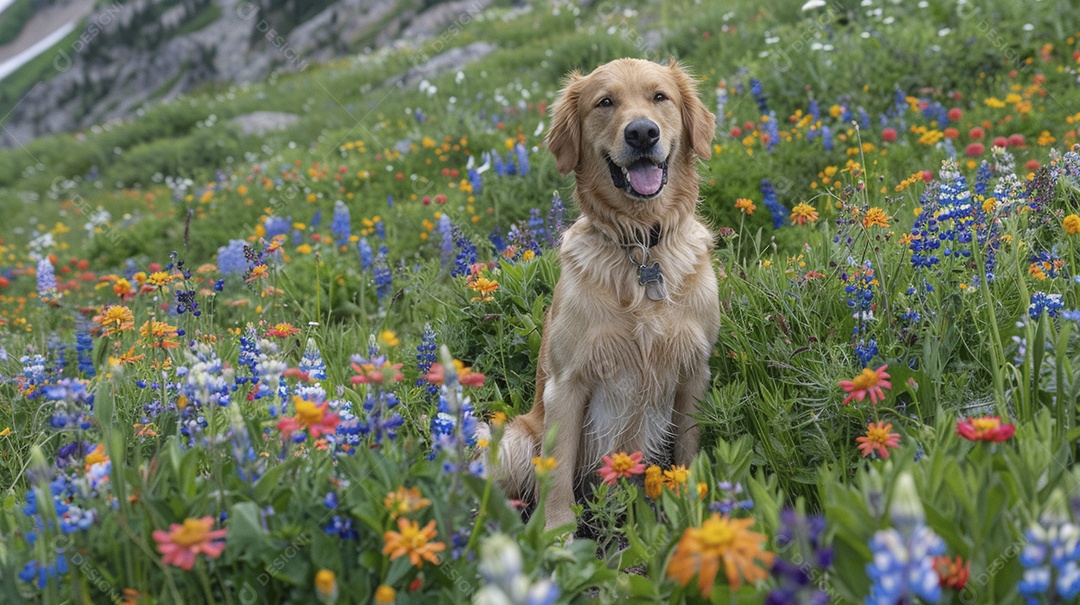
(624, 356)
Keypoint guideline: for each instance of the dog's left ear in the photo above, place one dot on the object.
(699, 124)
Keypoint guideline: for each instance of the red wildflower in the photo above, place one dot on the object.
(985, 428)
(952, 573)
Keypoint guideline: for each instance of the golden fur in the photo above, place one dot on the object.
(619, 371)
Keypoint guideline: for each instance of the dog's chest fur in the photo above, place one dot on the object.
(633, 352)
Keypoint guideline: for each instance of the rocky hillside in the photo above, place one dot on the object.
(123, 56)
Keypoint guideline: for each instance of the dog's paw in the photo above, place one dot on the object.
(559, 517)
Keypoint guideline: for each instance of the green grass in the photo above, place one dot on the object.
(794, 302)
(14, 18)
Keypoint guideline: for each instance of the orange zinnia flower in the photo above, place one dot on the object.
(115, 318)
(413, 541)
(162, 334)
(654, 481)
(181, 543)
(747, 206)
(404, 501)
(875, 217)
(720, 539)
(676, 477)
(803, 213)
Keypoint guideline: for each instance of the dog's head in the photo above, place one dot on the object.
(631, 130)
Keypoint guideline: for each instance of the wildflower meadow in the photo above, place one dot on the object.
(275, 367)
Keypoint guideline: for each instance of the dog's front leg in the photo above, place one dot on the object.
(687, 398)
(564, 409)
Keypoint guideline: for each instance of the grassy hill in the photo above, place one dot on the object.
(910, 177)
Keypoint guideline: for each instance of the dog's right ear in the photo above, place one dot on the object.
(564, 136)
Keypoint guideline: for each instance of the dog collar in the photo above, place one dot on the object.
(649, 276)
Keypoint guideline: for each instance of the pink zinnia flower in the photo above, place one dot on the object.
(986, 428)
(621, 465)
(869, 382)
(878, 439)
(181, 543)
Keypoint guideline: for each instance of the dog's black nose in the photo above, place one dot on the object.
(641, 134)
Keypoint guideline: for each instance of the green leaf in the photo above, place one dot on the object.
(246, 539)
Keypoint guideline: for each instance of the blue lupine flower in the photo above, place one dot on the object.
(814, 110)
(759, 96)
(497, 164)
(497, 241)
(367, 257)
(231, 259)
(446, 247)
(476, 181)
(341, 224)
(1051, 559)
(1041, 301)
(33, 375)
(46, 280)
(522, 159)
(466, 256)
(903, 555)
(425, 357)
(903, 566)
(802, 560)
(341, 527)
(84, 349)
(504, 578)
(827, 138)
(776, 210)
(277, 225)
(732, 499)
(311, 363)
(772, 127)
(864, 119)
(383, 276)
(72, 404)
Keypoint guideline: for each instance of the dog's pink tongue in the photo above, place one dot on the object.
(646, 178)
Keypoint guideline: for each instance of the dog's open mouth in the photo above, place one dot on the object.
(643, 178)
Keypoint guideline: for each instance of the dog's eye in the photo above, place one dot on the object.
(660, 97)
(605, 102)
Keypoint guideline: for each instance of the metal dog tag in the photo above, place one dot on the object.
(653, 280)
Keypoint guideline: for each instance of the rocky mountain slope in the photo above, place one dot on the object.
(127, 55)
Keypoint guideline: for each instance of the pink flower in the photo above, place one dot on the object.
(869, 382)
(878, 439)
(621, 465)
(985, 428)
(181, 543)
